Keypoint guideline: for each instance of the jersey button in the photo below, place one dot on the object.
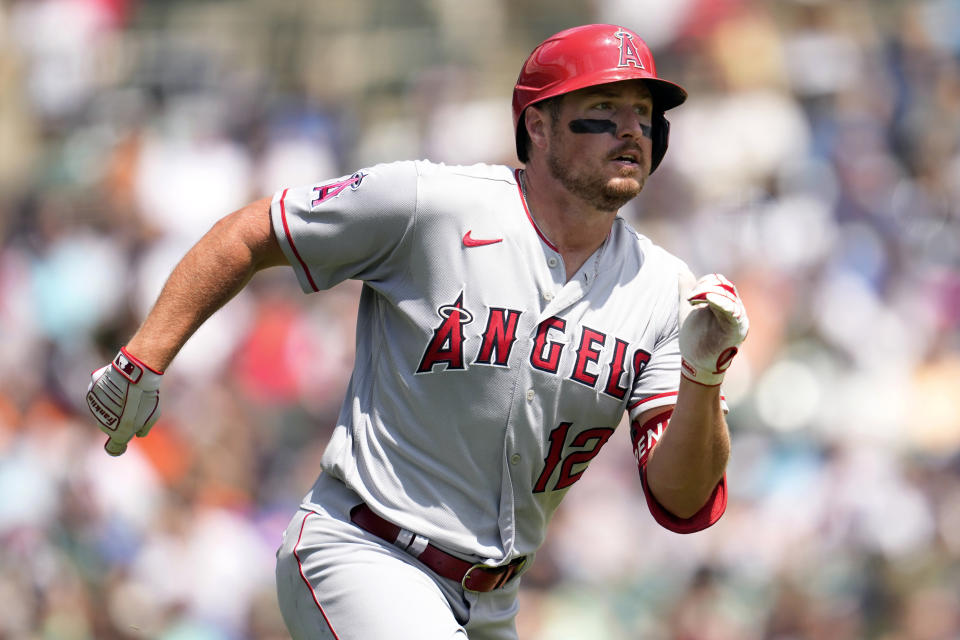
(548, 296)
(515, 458)
(530, 395)
(552, 262)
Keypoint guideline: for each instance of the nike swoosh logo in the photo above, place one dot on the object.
(469, 241)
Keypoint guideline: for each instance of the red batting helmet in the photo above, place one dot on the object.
(585, 57)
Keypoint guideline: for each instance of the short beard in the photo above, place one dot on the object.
(596, 191)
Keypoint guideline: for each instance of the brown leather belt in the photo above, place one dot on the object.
(474, 577)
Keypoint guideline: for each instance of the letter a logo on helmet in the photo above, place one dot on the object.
(588, 56)
(628, 51)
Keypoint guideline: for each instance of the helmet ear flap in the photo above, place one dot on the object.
(660, 136)
(523, 141)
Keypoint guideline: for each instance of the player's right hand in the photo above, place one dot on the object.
(124, 398)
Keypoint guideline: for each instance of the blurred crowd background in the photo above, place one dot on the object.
(816, 163)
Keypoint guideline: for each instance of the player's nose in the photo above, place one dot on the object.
(630, 124)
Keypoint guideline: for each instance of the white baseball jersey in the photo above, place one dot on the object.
(484, 382)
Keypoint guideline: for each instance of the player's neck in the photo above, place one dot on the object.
(574, 227)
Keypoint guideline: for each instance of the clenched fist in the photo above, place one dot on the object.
(124, 397)
(713, 324)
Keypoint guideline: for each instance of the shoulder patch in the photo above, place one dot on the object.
(332, 190)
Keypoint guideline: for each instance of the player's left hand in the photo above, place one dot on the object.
(124, 398)
(713, 325)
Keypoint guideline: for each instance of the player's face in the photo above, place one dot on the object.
(600, 147)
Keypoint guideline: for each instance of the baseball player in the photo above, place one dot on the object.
(507, 321)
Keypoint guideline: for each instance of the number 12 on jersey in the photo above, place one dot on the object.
(588, 444)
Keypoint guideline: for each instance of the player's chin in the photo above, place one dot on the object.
(628, 186)
(617, 193)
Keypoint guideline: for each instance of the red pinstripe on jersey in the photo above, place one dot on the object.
(523, 199)
(286, 231)
(659, 395)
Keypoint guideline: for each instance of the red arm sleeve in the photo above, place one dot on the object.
(644, 437)
(707, 516)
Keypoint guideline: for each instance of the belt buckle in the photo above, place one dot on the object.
(466, 576)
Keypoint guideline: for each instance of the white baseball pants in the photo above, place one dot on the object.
(336, 581)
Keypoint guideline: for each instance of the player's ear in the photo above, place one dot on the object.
(537, 121)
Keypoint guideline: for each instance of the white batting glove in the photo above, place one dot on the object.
(713, 324)
(124, 398)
